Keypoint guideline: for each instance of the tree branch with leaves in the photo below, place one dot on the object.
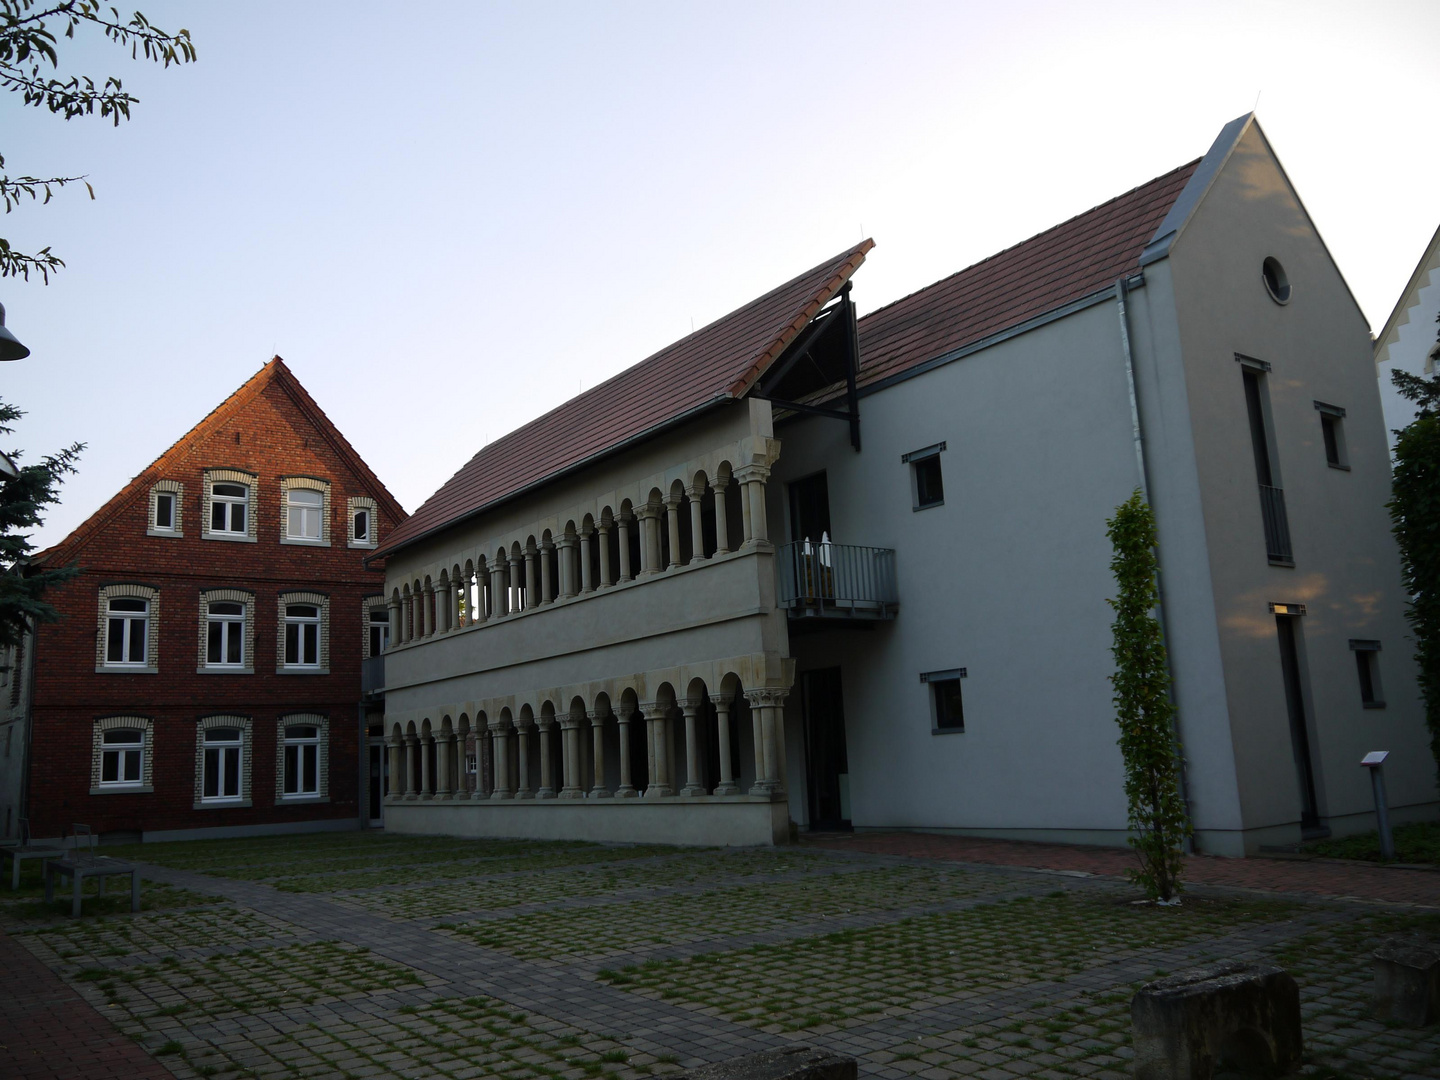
(30, 36)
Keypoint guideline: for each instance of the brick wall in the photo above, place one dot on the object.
(272, 438)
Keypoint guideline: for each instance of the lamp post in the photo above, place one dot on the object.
(1375, 762)
(10, 347)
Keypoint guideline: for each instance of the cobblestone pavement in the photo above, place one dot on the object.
(377, 956)
(1329, 878)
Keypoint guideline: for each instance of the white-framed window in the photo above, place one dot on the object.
(166, 503)
(363, 524)
(121, 760)
(378, 630)
(301, 768)
(225, 634)
(304, 511)
(127, 632)
(229, 504)
(223, 760)
(302, 635)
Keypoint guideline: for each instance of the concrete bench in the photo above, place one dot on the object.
(792, 1063)
(82, 862)
(1241, 1018)
(1407, 983)
(26, 850)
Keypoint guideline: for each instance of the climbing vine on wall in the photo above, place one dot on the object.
(1143, 709)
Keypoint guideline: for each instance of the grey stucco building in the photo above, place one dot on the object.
(799, 567)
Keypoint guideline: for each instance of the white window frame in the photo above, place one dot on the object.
(122, 753)
(371, 625)
(300, 627)
(101, 750)
(129, 618)
(230, 502)
(288, 486)
(298, 748)
(231, 626)
(222, 750)
(355, 506)
(150, 619)
(285, 620)
(174, 491)
(218, 478)
(309, 506)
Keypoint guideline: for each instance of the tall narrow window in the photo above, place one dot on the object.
(304, 509)
(165, 511)
(228, 504)
(379, 630)
(360, 531)
(1272, 497)
(1332, 434)
(927, 485)
(224, 749)
(1367, 666)
(1288, 630)
(122, 758)
(127, 632)
(302, 635)
(302, 760)
(225, 646)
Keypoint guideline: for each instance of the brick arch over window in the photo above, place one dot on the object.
(305, 483)
(321, 601)
(247, 757)
(166, 487)
(239, 596)
(252, 508)
(132, 591)
(353, 505)
(322, 726)
(146, 727)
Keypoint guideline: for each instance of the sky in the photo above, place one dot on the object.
(450, 218)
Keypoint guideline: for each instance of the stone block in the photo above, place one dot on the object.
(1407, 983)
(792, 1063)
(1233, 1017)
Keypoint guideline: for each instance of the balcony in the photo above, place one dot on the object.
(1277, 526)
(372, 676)
(837, 581)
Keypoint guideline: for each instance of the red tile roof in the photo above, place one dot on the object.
(717, 363)
(1070, 261)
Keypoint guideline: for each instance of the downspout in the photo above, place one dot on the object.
(27, 691)
(1122, 290)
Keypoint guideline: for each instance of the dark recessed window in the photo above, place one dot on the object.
(164, 511)
(946, 703)
(1276, 283)
(1367, 667)
(1332, 433)
(927, 487)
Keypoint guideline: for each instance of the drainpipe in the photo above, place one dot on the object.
(1122, 290)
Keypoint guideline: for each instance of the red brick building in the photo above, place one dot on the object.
(206, 673)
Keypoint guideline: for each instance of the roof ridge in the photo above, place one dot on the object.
(1053, 228)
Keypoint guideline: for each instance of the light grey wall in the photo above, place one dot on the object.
(1007, 579)
(1346, 568)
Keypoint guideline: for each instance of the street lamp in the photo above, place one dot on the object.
(10, 347)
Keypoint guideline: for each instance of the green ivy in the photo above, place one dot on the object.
(1143, 709)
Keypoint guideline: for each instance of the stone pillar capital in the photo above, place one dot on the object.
(545, 723)
(569, 723)
(748, 473)
(696, 492)
(586, 531)
(689, 706)
(604, 527)
(547, 546)
(498, 727)
(773, 696)
(598, 716)
(672, 499)
(720, 483)
(531, 549)
(565, 543)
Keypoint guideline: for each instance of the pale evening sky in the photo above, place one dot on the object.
(448, 218)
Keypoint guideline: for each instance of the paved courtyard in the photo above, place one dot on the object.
(364, 955)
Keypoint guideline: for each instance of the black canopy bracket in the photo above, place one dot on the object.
(833, 329)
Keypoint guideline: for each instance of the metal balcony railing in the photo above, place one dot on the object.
(838, 581)
(1277, 525)
(372, 675)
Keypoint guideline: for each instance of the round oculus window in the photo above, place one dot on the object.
(1276, 283)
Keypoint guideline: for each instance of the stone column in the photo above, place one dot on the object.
(427, 609)
(522, 745)
(757, 732)
(722, 526)
(397, 777)
(672, 518)
(498, 740)
(626, 790)
(667, 731)
(427, 773)
(752, 479)
(727, 785)
(650, 528)
(693, 786)
(444, 598)
(417, 616)
(442, 766)
(597, 734)
(747, 527)
(479, 615)
(397, 624)
(606, 579)
(566, 547)
(547, 775)
(409, 788)
(498, 590)
(547, 590)
(518, 601)
(570, 758)
(587, 575)
(656, 721)
(626, 571)
(456, 586)
(766, 707)
(532, 588)
(697, 523)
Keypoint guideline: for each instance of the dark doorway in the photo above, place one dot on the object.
(1299, 729)
(378, 786)
(826, 764)
(809, 509)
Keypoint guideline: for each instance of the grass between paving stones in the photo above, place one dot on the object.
(97, 941)
(26, 906)
(1415, 843)
(679, 869)
(853, 976)
(642, 925)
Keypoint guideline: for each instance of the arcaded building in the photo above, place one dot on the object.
(205, 676)
(799, 570)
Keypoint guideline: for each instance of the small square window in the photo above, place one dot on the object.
(1367, 667)
(947, 707)
(927, 487)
